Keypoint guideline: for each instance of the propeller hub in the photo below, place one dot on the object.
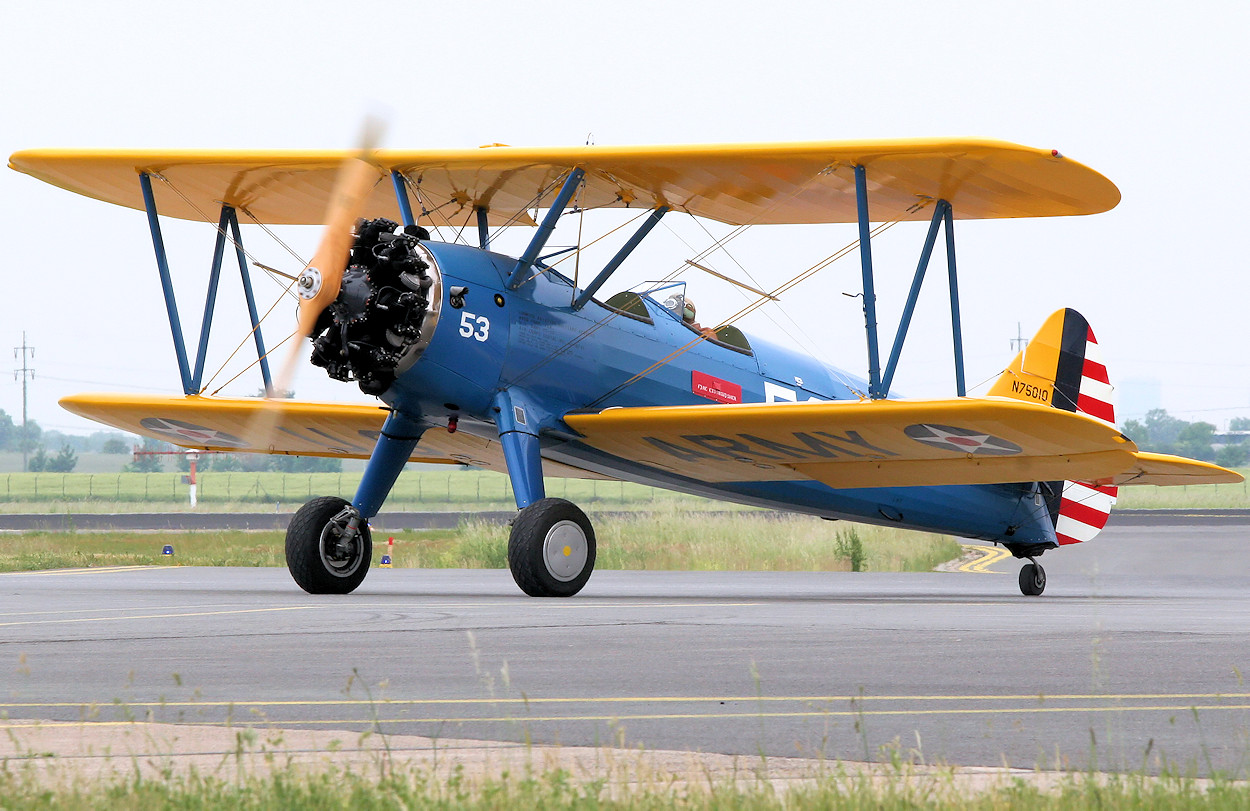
(308, 285)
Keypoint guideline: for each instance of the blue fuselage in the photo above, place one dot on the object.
(532, 343)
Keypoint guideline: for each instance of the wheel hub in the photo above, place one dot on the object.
(565, 551)
(340, 550)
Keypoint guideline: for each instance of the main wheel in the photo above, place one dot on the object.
(1032, 579)
(551, 550)
(319, 557)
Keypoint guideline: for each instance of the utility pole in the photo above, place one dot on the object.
(1019, 342)
(26, 373)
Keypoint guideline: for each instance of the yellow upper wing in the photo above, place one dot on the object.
(735, 183)
(300, 428)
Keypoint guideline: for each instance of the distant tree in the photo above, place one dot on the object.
(146, 463)
(1239, 424)
(1164, 429)
(114, 444)
(1232, 455)
(286, 394)
(63, 462)
(28, 440)
(306, 464)
(226, 462)
(12, 437)
(1159, 432)
(38, 463)
(8, 432)
(211, 461)
(1195, 439)
(97, 440)
(57, 439)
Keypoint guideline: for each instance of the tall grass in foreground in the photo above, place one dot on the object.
(670, 539)
(557, 789)
(746, 541)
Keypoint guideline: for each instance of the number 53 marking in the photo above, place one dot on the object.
(474, 326)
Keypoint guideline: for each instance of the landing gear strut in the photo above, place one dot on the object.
(551, 550)
(328, 547)
(1032, 579)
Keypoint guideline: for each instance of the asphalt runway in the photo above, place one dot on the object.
(1136, 654)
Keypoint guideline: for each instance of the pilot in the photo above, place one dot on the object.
(687, 318)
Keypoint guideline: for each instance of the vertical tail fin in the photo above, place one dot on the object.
(1062, 367)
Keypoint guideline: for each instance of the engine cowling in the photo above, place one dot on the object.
(386, 310)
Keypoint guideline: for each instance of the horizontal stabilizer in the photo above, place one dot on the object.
(1163, 469)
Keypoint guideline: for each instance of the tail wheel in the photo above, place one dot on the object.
(324, 553)
(551, 550)
(1032, 579)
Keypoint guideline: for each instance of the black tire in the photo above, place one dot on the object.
(551, 550)
(316, 568)
(1032, 579)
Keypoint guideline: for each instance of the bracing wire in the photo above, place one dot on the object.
(756, 304)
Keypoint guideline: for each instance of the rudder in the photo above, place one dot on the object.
(1062, 367)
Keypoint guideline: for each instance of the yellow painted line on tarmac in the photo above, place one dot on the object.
(1180, 698)
(989, 556)
(61, 612)
(91, 570)
(746, 715)
(69, 620)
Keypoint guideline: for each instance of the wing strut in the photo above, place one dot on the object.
(879, 382)
(483, 227)
(401, 197)
(870, 296)
(544, 231)
(193, 378)
(956, 330)
(167, 284)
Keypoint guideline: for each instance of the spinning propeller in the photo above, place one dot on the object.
(320, 282)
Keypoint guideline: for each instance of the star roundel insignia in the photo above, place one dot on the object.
(190, 434)
(961, 440)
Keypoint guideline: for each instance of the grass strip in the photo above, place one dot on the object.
(394, 788)
(668, 539)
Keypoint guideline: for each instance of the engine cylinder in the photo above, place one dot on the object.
(386, 309)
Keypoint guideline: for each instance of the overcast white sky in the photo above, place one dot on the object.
(1151, 94)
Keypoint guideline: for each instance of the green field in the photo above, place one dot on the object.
(453, 489)
(440, 489)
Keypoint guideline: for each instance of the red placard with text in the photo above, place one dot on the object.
(713, 388)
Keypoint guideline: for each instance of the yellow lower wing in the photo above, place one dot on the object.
(883, 443)
(301, 428)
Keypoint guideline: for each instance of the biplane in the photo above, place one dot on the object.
(503, 362)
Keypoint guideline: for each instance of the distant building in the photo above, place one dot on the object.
(1219, 440)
